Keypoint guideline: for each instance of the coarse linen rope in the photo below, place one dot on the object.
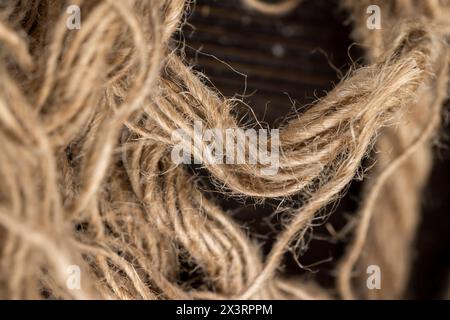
(86, 118)
(386, 233)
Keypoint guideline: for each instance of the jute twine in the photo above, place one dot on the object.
(86, 118)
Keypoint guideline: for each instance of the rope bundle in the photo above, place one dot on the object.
(86, 119)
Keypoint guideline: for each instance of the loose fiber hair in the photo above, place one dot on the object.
(86, 118)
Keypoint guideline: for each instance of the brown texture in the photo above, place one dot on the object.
(85, 124)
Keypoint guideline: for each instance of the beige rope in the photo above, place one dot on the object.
(86, 118)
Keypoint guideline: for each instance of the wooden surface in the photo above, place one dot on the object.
(275, 62)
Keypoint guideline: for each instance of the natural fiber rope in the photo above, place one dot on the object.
(403, 164)
(86, 119)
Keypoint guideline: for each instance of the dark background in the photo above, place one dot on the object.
(280, 63)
